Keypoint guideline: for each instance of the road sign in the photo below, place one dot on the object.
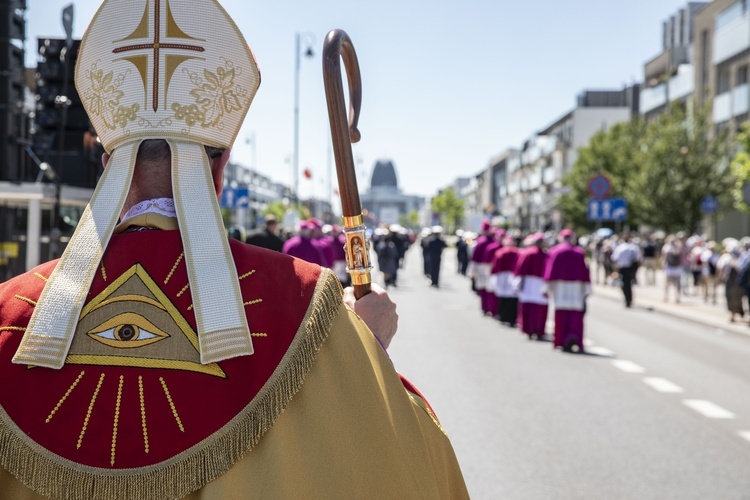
(235, 197)
(607, 209)
(709, 205)
(599, 186)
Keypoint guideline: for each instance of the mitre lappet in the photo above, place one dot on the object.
(183, 73)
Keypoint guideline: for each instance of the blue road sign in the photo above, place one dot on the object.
(235, 197)
(709, 205)
(607, 209)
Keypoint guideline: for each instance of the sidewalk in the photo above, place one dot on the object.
(691, 308)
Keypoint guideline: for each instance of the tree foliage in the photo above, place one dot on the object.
(450, 208)
(410, 220)
(663, 169)
(679, 167)
(741, 168)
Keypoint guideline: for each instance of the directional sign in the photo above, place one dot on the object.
(607, 209)
(235, 197)
(709, 205)
(599, 186)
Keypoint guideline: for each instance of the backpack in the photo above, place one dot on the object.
(673, 258)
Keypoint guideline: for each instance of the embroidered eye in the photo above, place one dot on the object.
(126, 331)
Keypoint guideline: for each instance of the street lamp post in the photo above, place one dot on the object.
(295, 161)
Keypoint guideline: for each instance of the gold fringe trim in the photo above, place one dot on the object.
(53, 476)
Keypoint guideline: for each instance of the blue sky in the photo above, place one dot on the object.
(447, 85)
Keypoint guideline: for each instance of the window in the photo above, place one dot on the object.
(727, 16)
(741, 76)
(722, 81)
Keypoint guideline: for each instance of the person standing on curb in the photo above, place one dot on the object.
(627, 257)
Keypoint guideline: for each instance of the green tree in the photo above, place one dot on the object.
(450, 208)
(276, 208)
(680, 164)
(410, 220)
(741, 167)
(611, 152)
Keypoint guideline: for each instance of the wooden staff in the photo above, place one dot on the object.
(343, 132)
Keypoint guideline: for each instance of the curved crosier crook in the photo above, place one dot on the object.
(336, 46)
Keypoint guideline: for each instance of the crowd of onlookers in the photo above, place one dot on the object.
(692, 265)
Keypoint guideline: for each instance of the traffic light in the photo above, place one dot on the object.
(12, 86)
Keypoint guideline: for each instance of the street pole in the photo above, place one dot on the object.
(295, 159)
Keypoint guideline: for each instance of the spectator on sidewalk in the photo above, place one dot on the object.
(730, 273)
(709, 272)
(671, 257)
(626, 257)
(650, 260)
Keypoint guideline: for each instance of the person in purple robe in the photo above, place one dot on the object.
(303, 247)
(532, 302)
(567, 281)
(502, 275)
(480, 268)
(490, 299)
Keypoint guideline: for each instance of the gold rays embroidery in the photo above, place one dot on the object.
(90, 409)
(13, 328)
(249, 273)
(190, 307)
(184, 289)
(117, 419)
(104, 272)
(259, 334)
(65, 396)
(26, 299)
(251, 302)
(143, 413)
(171, 404)
(41, 277)
(171, 272)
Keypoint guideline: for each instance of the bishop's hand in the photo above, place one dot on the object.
(378, 312)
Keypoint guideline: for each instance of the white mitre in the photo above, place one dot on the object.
(178, 70)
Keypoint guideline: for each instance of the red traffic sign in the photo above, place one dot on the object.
(599, 186)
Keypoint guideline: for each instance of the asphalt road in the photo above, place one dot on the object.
(659, 408)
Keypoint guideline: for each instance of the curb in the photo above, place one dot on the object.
(651, 307)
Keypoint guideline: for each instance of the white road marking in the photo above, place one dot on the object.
(600, 351)
(662, 385)
(628, 366)
(745, 434)
(707, 408)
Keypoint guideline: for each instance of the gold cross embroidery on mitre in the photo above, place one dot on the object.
(156, 46)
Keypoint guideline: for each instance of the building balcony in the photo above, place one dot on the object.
(741, 99)
(682, 84)
(652, 98)
(722, 110)
(732, 38)
(549, 175)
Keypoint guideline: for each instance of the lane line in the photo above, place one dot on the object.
(628, 366)
(600, 351)
(662, 385)
(744, 435)
(708, 409)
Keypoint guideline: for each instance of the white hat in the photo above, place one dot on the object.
(437, 229)
(180, 71)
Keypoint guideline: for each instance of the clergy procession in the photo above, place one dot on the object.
(517, 277)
